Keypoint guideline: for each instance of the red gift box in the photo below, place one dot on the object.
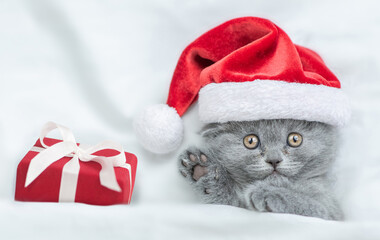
(46, 187)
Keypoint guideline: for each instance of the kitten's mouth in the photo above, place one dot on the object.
(275, 172)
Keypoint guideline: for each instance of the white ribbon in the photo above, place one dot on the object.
(69, 148)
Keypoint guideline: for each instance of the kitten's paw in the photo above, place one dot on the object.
(266, 198)
(280, 202)
(257, 200)
(270, 202)
(276, 203)
(196, 167)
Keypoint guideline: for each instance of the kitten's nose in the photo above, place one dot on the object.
(273, 162)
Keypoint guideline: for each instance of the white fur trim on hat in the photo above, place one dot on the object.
(159, 128)
(270, 99)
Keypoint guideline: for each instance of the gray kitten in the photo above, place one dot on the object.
(269, 165)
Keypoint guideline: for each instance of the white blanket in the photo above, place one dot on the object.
(92, 65)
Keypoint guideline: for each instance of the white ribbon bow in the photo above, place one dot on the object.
(69, 148)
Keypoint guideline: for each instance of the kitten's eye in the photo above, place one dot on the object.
(251, 141)
(294, 139)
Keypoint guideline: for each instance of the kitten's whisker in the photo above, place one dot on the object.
(262, 169)
(291, 164)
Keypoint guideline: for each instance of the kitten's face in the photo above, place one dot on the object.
(257, 149)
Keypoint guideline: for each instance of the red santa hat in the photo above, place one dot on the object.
(245, 69)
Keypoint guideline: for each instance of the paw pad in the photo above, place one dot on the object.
(199, 171)
(203, 158)
(192, 157)
(184, 173)
(184, 163)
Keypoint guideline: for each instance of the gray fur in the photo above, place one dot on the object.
(229, 173)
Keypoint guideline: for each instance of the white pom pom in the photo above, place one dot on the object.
(159, 128)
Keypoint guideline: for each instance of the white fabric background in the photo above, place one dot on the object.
(92, 65)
